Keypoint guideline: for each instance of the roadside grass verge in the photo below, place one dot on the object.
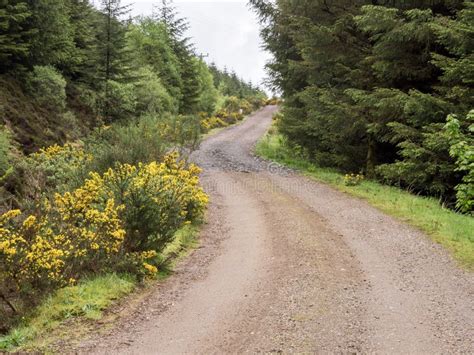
(448, 228)
(88, 300)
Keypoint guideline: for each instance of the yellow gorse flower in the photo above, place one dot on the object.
(85, 229)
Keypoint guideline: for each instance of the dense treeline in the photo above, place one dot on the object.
(98, 111)
(368, 88)
(66, 66)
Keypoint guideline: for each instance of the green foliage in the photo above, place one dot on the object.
(14, 37)
(113, 58)
(149, 43)
(208, 93)
(48, 87)
(152, 97)
(120, 101)
(54, 169)
(53, 41)
(128, 143)
(5, 153)
(87, 299)
(367, 87)
(229, 84)
(461, 138)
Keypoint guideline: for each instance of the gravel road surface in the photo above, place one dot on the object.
(290, 265)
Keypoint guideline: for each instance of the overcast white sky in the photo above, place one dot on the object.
(225, 30)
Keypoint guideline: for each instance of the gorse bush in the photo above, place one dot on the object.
(232, 110)
(353, 179)
(157, 198)
(116, 221)
(212, 122)
(181, 131)
(52, 169)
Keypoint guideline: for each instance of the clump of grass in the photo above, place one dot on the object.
(88, 299)
(448, 228)
(185, 239)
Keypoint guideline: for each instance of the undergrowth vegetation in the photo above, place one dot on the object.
(88, 299)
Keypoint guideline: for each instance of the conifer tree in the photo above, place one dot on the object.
(183, 49)
(14, 33)
(368, 85)
(84, 20)
(113, 58)
(53, 42)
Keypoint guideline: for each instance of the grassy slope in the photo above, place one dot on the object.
(452, 230)
(86, 301)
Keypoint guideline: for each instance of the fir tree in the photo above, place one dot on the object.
(53, 42)
(15, 34)
(113, 58)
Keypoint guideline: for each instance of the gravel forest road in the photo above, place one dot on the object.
(287, 264)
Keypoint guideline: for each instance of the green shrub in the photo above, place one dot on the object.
(121, 101)
(88, 97)
(48, 87)
(151, 95)
(53, 169)
(5, 153)
(116, 221)
(232, 104)
(246, 107)
(182, 131)
(129, 143)
(462, 149)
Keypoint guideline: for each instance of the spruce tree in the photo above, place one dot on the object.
(368, 85)
(184, 50)
(53, 42)
(15, 34)
(113, 57)
(84, 20)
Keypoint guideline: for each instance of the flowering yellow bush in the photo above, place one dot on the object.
(78, 231)
(212, 122)
(158, 199)
(74, 155)
(118, 221)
